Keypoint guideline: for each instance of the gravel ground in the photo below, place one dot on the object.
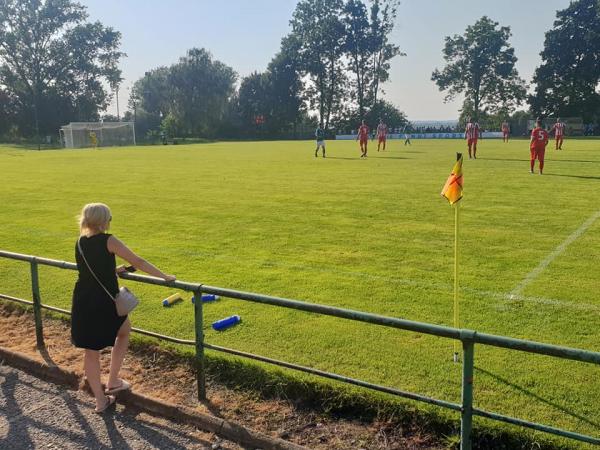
(38, 415)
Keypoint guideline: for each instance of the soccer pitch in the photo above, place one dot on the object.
(372, 235)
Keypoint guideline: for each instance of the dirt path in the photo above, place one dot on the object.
(38, 414)
(156, 373)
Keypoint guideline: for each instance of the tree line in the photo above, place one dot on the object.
(333, 63)
(57, 67)
(480, 65)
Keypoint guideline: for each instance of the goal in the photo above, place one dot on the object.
(105, 134)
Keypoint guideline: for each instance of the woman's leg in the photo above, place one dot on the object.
(91, 366)
(118, 354)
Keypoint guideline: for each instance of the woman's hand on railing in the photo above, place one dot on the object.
(169, 277)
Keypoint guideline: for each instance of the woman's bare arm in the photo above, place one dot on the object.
(122, 251)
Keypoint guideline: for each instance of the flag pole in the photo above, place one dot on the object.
(452, 191)
(456, 314)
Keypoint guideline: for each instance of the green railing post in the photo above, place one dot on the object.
(37, 304)
(200, 369)
(466, 421)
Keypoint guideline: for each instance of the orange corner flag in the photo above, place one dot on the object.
(453, 189)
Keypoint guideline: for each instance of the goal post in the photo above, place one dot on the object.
(98, 134)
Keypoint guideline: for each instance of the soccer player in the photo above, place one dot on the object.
(94, 139)
(537, 145)
(406, 137)
(320, 135)
(471, 135)
(559, 132)
(363, 136)
(381, 134)
(505, 131)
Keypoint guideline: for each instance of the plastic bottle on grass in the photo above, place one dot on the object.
(171, 299)
(226, 322)
(208, 298)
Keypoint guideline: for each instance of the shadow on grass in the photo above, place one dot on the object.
(550, 160)
(537, 397)
(391, 157)
(502, 159)
(338, 401)
(583, 177)
(358, 158)
(28, 146)
(332, 398)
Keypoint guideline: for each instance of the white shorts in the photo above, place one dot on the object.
(320, 143)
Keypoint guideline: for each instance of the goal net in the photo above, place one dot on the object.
(100, 134)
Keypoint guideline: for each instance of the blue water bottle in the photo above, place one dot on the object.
(226, 323)
(208, 298)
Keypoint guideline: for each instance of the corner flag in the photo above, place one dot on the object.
(453, 189)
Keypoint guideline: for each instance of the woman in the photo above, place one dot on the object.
(94, 322)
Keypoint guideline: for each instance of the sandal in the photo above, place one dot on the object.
(110, 401)
(125, 386)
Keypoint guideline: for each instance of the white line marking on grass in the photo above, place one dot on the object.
(503, 298)
(552, 256)
(499, 297)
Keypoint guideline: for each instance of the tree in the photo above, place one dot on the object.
(253, 100)
(195, 92)
(151, 99)
(52, 62)
(273, 95)
(317, 27)
(201, 88)
(170, 126)
(391, 115)
(383, 17)
(568, 80)
(368, 49)
(285, 87)
(481, 65)
(359, 49)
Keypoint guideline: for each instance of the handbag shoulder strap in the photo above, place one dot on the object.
(90, 269)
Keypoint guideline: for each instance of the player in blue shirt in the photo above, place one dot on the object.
(320, 136)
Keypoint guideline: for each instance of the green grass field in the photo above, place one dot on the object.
(372, 235)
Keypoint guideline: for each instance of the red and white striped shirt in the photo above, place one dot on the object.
(381, 130)
(559, 128)
(363, 132)
(472, 130)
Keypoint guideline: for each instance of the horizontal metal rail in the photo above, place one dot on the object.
(135, 330)
(467, 337)
(409, 325)
(537, 426)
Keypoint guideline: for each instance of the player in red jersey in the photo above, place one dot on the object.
(381, 134)
(537, 145)
(559, 133)
(505, 131)
(363, 136)
(472, 133)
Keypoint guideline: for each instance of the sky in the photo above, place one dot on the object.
(245, 34)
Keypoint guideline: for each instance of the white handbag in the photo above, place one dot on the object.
(125, 300)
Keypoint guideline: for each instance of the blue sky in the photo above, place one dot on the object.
(246, 34)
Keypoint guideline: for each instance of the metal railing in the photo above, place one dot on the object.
(468, 339)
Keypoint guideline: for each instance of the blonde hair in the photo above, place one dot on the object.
(94, 217)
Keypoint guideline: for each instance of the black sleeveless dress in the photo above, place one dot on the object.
(94, 320)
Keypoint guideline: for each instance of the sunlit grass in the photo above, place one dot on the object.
(372, 235)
